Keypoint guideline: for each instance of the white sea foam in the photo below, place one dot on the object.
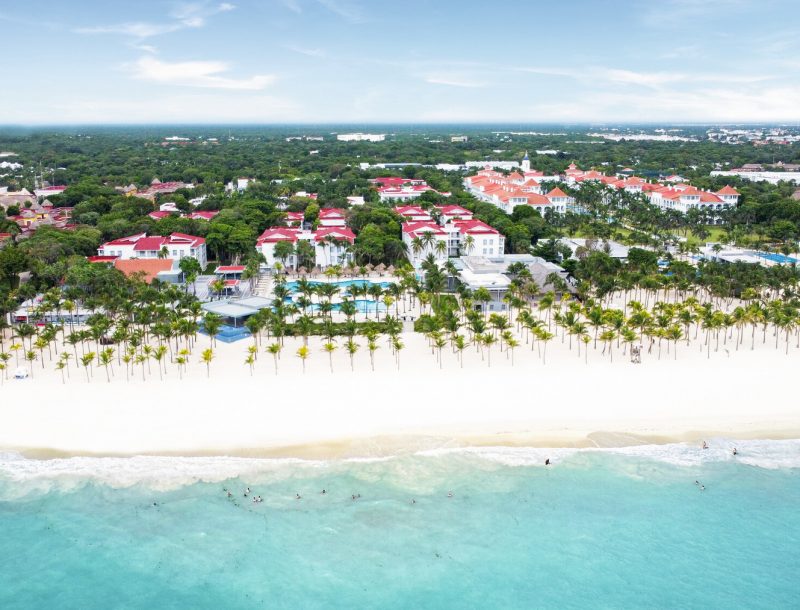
(771, 454)
(20, 476)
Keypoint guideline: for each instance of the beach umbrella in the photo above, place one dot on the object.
(302, 271)
(390, 270)
(380, 268)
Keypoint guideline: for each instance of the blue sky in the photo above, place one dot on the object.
(99, 61)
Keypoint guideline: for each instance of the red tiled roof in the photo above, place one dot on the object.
(331, 213)
(150, 267)
(475, 226)
(101, 259)
(453, 210)
(416, 228)
(335, 232)
(158, 215)
(410, 210)
(276, 234)
(727, 190)
(557, 192)
(202, 215)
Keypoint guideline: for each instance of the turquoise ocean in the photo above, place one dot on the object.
(667, 526)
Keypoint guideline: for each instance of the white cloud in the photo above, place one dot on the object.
(206, 74)
(306, 51)
(186, 16)
(292, 5)
(451, 80)
(345, 9)
(679, 12)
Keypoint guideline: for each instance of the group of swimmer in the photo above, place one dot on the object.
(702, 487)
(246, 494)
(735, 451)
(297, 496)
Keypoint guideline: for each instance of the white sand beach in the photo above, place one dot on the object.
(565, 402)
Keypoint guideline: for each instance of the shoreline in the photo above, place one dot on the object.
(383, 447)
(564, 403)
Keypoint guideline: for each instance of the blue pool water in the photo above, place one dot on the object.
(611, 529)
(292, 286)
(362, 306)
(229, 334)
(776, 258)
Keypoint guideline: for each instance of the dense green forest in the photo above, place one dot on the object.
(92, 161)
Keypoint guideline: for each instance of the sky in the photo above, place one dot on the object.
(410, 61)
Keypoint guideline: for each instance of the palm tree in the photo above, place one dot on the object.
(351, 347)
(212, 324)
(511, 344)
(460, 343)
(250, 361)
(206, 357)
(106, 358)
(439, 342)
(544, 336)
(372, 346)
(329, 347)
(397, 346)
(158, 355)
(30, 356)
(275, 350)
(303, 353)
(488, 339)
(467, 245)
(86, 361)
(60, 366)
(607, 337)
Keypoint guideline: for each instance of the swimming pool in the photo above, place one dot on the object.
(229, 334)
(292, 286)
(776, 258)
(362, 306)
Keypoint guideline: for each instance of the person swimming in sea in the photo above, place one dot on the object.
(413, 501)
(323, 492)
(297, 496)
(449, 494)
(547, 462)
(735, 452)
(705, 445)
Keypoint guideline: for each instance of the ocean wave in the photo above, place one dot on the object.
(20, 476)
(768, 454)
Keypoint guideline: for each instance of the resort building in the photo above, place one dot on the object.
(491, 273)
(175, 246)
(361, 137)
(149, 269)
(332, 245)
(413, 213)
(507, 192)
(449, 213)
(239, 185)
(206, 215)
(473, 237)
(332, 217)
(16, 198)
(422, 239)
(580, 247)
(161, 188)
(49, 191)
(682, 198)
(294, 219)
(42, 214)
